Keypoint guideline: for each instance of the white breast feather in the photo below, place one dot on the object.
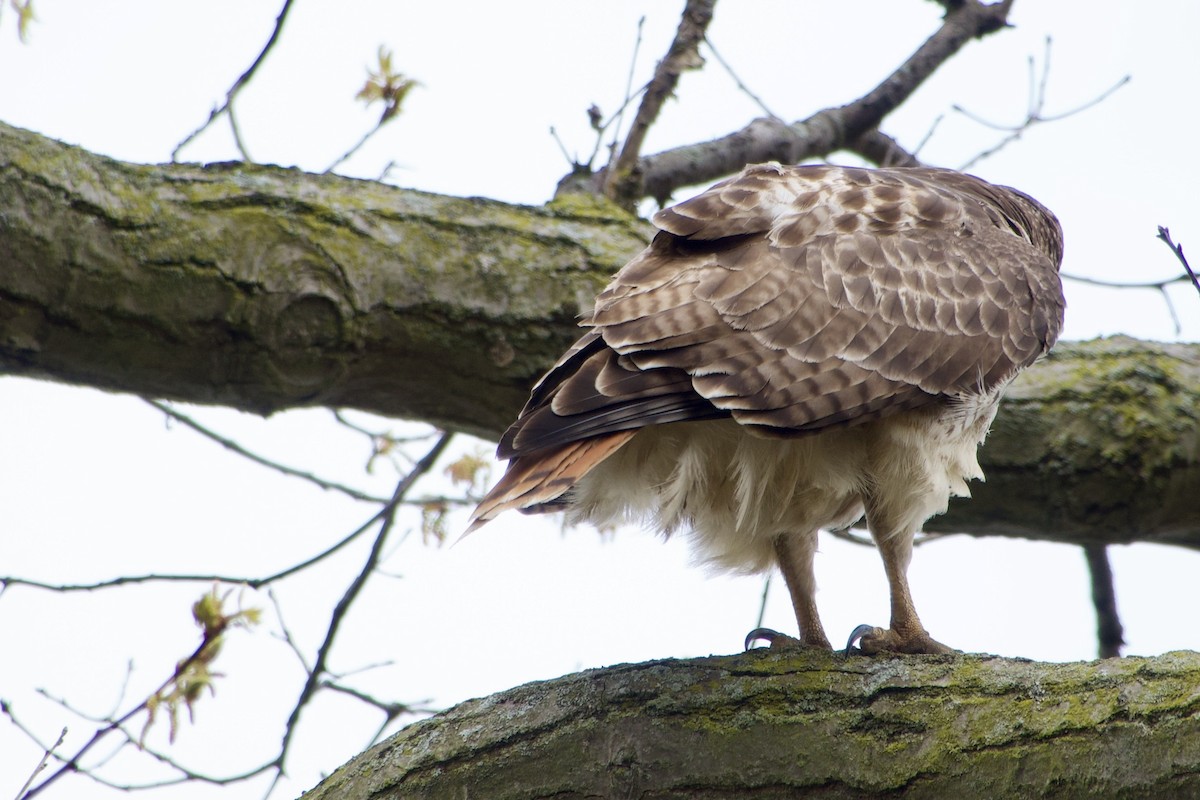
(734, 492)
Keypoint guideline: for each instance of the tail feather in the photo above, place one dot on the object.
(543, 476)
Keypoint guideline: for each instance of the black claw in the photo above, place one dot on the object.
(856, 634)
(765, 634)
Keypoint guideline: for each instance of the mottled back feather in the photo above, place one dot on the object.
(796, 299)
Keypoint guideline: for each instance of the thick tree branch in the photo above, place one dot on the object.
(766, 725)
(262, 289)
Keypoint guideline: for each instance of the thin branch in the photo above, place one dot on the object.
(618, 118)
(849, 535)
(1165, 235)
(828, 130)
(762, 603)
(1109, 632)
(287, 637)
(234, 447)
(346, 156)
(253, 583)
(227, 107)
(41, 765)
(1160, 286)
(185, 773)
(214, 629)
(320, 665)
(758, 101)
(622, 183)
(1035, 109)
(391, 708)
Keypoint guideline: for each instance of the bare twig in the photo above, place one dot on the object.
(618, 118)
(762, 603)
(253, 583)
(828, 130)
(854, 536)
(391, 708)
(758, 101)
(928, 135)
(622, 183)
(354, 148)
(233, 446)
(226, 107)
(41, 765)
(286, 632)
(1165, 235)
(1035, 109)
(1159, 286)
(1109, 632)
(320, 665)
(581, 179)
(849, 535)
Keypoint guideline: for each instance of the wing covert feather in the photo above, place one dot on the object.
(796, 298)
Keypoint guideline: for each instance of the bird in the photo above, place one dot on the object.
(798, 348)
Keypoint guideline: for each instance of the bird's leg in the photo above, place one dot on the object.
(906, 633)
(795, 556)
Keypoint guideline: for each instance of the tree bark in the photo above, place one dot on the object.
(263, 288)
(809, 724)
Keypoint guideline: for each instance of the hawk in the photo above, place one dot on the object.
(797, 348)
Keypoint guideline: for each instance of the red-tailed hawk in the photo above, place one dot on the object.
(797, 347)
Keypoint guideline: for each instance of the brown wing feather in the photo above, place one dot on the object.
(534, 483)
(794, 299)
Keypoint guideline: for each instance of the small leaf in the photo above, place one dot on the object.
(386, 85)
(24, 9)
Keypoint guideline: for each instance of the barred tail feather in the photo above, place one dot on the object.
(539, 478)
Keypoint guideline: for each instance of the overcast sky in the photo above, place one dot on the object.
(95, 485)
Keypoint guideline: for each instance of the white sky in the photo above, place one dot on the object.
(95, 485)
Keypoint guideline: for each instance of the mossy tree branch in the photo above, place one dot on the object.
(263, 288)
(811, 724)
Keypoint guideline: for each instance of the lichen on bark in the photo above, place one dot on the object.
(808, 724)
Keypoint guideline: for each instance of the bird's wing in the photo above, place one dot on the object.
(795, 299)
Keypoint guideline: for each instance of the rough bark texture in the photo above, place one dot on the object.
(812, 724)
(264, 288)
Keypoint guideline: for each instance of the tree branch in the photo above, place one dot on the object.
(243, 80)
(826, 131)
(811, 724)
(879, 148)
(320, 666)
(262, 288)
(234, 447)
(623, 183)
(1109, 632)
